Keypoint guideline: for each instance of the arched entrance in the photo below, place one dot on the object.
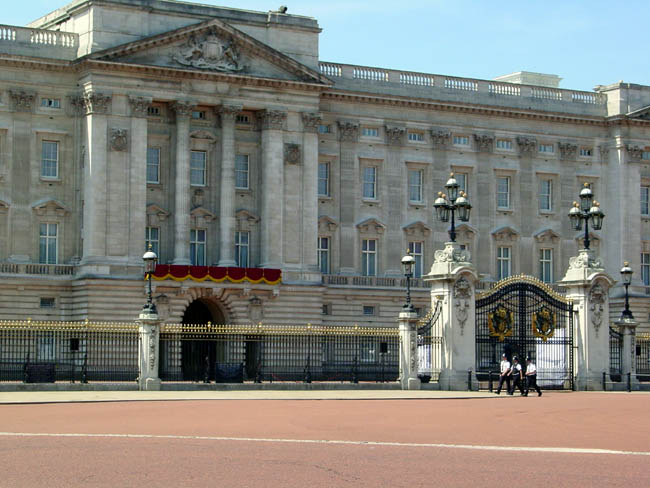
(198, 354)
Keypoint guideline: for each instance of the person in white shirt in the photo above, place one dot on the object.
(505, 374)
(517, 376)
(531, 377)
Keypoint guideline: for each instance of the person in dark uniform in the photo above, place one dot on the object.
(517, 374)
(531, 377)
(505, 374)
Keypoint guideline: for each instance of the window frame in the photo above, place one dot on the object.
(197, 245)
(148, 239)
(56, 160)
(645, 212)
(460, 140)
(546, 148)
(546, 264)
(370, 131)
(203, 171)
(151, 150)
(645, 268)
(325, 179)
(45, 258)
(508, 192)
(419, 186)
(369, 257)
(241, 247)
(324, 253)
(415, 135)
(416, 249)
(501, 141)
(240, 171)
(501, 260)
(374, 184)
(549, 196)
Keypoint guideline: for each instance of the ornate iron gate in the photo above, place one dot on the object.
(522, 316)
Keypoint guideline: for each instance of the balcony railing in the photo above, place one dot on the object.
(38, 42)
(37, 269)
(372, 281)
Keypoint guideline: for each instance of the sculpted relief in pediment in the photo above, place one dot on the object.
(210, 52)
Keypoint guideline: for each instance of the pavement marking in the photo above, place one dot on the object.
(555, 450)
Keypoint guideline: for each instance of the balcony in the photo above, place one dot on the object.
(37, 269)
(42, 43)
(371, 282)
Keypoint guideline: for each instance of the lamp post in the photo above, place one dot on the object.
(408, 262)
(451, 202)
(626, 273)
(150, 259)
(587, 209)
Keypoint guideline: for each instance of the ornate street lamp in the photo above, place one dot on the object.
(150, 259)
(626, 273)
(453, 201)
(408, 262)
(587, 209)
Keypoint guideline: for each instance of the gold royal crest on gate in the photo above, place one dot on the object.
(544, 324)
(500, 323)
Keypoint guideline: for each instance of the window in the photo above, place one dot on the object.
(503, 262)
(503, 192)
(645, 194)
(369, 310)
(48, 243)
(324, 254)
(461, 140)
(645, 154)
(153, 111)
(327, 309)
(415, 186)
(415, 248)
(50, 159)
(197, 247)
(324, 179)
(242, 247)
(415, 136)
(545, 195)
(370, 182)
(241, 171)
(197, 168)
(505, 144)
(51, 102)
(461, 179)
(645, 268)
(324, 129)
(586, 152)
(242, 119)
(153, 165)
(369, 257)
(370, 131)
(198, 114)
(546, 265)
(546, 148)
(152, 237)
(48, 302)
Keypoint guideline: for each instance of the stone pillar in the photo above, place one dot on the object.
(587, 284)
(310, 122)
(96, 106)
(138, 180)
(395, 173)
(408, 350)
(182, 189)
(349, 195)
(149, 351)
(228, 115)
(272, 122)
(453, 279)
(627, 327)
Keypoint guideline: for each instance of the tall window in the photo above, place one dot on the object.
(369, 257)
(324, 179)
(645, 193)
(645, 268)
(324, 254)
(242, 247)
(153, 165)
(152, 237)
(415, 185)
(50, 159)
(503, 192)
(47, 243)
(241, 171)
(545, 195)
(503, 262)
(197, 247)
(370, 182)
(415, 248)
(461, 179)
(197, 168)
(546, 265)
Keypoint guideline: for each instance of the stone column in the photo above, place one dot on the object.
(408, 350)
(627, 327)
(182, 189)
(349, 168)
(149, 351)
(272, 122)
(96, 106)
(228, 114)
(587, 284)
(310, 122)
(138, 180)
(394, 173)
(453, 279)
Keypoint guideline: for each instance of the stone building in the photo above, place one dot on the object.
(218, 136)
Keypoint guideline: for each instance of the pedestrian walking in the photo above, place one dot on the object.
(531, 377)
(505, 374)
(517, 374)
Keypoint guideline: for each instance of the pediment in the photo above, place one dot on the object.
(641, 114)
(159, 212)
(505, 234)
(211, 47)
(547, 235)
(50, 206)
(417, 228)
(205, 214)
(247, 216)
(466, 231)
(371, 225)
(325, 222)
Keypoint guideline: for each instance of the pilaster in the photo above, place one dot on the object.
(349, 166)
(149, 351)
(137, 214)
(408, 351)
(182, 198)
(310, 123)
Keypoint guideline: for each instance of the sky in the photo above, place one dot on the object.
(586, 43)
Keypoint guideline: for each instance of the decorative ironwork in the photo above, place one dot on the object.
(615, 354)
(524, 317)
(429, 344)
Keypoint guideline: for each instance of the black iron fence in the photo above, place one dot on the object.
(430, 344)
(615, 354)
(45, 352)
(642, 354)
(266, 353)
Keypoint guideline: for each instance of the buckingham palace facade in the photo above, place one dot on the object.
(279, 188)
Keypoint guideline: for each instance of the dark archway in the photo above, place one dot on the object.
(199, 356)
